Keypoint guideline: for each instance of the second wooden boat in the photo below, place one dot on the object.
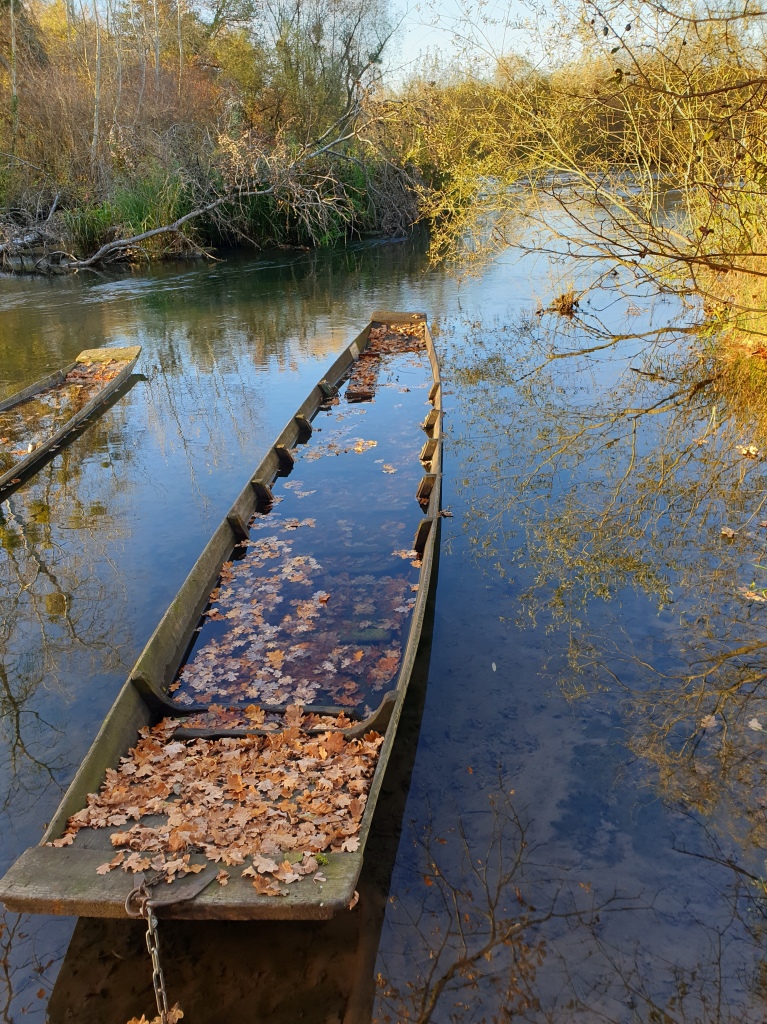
(37, 419)
(239, 768)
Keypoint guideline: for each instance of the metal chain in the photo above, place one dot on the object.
(139, 904)
(158, 978)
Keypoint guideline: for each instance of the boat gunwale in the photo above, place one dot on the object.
(131, 709)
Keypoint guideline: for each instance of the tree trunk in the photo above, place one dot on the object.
(156, 46)
(118, 41)
(97, 87)
(180, 45)
(14, 89)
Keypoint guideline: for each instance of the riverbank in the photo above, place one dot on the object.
(303, 203)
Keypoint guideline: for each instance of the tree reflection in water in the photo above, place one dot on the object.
(475, 932)
(636, 487)
(29, 948)
(603, 476)
(56, 595)
(53, 602)
(476, 935)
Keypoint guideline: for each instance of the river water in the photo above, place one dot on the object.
(574, 826)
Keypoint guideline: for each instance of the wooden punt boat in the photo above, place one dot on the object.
(48, 410)
(65, 879)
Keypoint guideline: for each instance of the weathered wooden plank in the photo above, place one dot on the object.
(239, 526)
(305, 428)
(264, 496)
(286, 458)
(427, 452)
(422, 535)
(47, 880)
(107, 355)
(376, 722)
(386, 316)
(431, 421)
(425, 487)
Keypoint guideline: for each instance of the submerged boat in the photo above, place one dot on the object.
(34, 421)
(238, 770)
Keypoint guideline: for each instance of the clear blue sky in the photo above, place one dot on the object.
(431, 25)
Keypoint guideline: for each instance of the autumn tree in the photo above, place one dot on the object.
(636, 137)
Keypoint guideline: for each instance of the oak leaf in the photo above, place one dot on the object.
(65, 840)
(275, 658)
(265, 887)
(102, 869)
(264, 865)
(285, 872)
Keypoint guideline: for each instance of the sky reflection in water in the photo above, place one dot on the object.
(582, 736)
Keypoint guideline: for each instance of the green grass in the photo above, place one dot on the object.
(90, 227)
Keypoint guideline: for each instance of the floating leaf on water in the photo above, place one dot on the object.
(728, 532)
(756, 725)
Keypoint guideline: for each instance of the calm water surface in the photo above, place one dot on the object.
(575, 826)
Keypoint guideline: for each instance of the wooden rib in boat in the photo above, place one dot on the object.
(64, 880)
(89, 368)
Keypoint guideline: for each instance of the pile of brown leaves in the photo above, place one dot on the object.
(362, 383)
(173, 1016)
(264, 798)
(396, 339)
(87, 373)
(385, 340)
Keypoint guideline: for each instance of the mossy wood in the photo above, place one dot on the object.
(51, 880)
(92, 355)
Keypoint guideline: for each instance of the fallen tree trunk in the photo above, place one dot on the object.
(119, 245)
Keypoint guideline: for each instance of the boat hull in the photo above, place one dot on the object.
(24, 466)
(64, 880)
